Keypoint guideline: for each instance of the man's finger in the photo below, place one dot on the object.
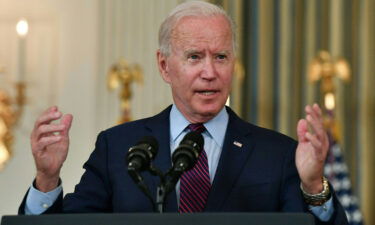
(52, 109)
(318, 109)
(316, 143)
(49, 110)
(47, 118)
(316, 125)
(46, 129)
(314, 113)
(301, 130)
(66, 120)
(45, 141)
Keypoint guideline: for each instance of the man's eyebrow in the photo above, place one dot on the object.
(224, 52)
(196, 51)
(192, 51)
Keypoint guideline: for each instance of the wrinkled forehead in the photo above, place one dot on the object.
(213, 31)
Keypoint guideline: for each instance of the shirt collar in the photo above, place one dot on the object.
(216, 127)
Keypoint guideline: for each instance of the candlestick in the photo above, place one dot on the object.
(22, 30)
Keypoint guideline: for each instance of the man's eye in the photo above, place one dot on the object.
(221, 57)
(194, 57)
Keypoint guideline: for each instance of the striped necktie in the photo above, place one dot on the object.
(195, 183)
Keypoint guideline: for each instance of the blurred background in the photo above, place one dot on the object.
(97, 60)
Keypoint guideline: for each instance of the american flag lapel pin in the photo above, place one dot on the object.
(238, 144)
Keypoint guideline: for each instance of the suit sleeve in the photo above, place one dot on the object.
(36, 202)
(93, 193)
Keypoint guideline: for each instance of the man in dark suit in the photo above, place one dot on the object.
(243, 168)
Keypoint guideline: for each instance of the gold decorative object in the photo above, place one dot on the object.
(11, 109)
(10, 112)
(325, 68)
(124, 74)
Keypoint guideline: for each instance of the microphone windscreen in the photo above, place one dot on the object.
(195, 137)
(149, 140)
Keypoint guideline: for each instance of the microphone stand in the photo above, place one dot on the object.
(163, 189)
(160, 198)
(161, 194)
(138, 179)
(167, 186)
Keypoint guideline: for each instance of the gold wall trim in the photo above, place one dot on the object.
(265, 78)
(286, 32)
(366, 109)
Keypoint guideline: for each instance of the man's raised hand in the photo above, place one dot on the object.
(312, 149)
(50, 144)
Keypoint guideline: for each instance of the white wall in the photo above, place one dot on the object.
(61, 57)
(70, 47)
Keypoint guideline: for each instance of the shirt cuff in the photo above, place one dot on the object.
(38, 202)
(323, 212)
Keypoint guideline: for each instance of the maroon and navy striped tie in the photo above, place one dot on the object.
(195, 183)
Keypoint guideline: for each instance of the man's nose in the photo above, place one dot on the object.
(209, 71)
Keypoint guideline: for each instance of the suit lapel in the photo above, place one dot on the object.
(236, 151)
(159, 127)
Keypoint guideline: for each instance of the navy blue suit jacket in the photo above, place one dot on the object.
(259, 176)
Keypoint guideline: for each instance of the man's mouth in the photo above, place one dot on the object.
(207, 93)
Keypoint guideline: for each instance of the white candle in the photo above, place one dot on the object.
(22, 30)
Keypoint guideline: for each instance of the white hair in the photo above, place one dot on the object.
(191, 8)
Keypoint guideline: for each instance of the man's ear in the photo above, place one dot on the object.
(163, 66)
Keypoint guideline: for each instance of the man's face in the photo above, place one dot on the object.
(200, 66)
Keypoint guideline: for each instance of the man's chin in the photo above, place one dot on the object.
(201, 112)
(209, 112)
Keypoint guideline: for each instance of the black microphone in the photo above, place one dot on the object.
(140, 156)
(186, 154)
(139, 159)
(184, 158)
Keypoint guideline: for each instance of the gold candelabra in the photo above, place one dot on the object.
(11, 108)
(10, 112)
(124, 74)
(325, 68)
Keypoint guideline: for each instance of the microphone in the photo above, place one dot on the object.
(186, 154)
(184, 158)
(140, 156)
(139, 159)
